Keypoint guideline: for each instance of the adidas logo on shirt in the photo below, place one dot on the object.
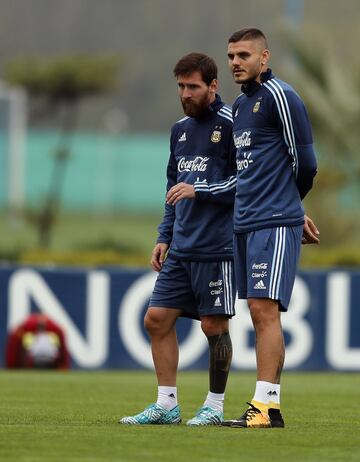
(217, 302)
(260, 285)
(182, 137)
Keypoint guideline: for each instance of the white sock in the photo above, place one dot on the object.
(275, 396)
(167, 397)
(215, 400)
(264, 392)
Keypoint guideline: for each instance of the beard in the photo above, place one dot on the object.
(196, 110)
(253, 74)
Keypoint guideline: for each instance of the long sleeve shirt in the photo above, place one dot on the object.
(275, 158)
(202, 153)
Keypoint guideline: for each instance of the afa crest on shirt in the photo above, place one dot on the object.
(216, 136)
(256, 106)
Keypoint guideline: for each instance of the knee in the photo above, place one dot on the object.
(153, 322)
(157, 322)
(264, 312)
(214, 325)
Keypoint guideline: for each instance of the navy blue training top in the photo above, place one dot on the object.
(202, 153)
(275, 158)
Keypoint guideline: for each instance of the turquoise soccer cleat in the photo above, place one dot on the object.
(154, 415)
(206, 416)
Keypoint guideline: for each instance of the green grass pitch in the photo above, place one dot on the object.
(73, 416)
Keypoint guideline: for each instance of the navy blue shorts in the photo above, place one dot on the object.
(266, 261)
(197, 288)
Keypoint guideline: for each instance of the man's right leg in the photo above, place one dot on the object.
(171, 295)
(160, 324)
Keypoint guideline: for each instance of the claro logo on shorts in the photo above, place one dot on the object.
(263, 274)
(217, 287)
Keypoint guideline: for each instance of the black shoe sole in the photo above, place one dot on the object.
(277, 424)
(232, 423)
(240, 425)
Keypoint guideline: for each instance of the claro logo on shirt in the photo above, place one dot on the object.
(243, 140)
(243, 164)
(199, 164)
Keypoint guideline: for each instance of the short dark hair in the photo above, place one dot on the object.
(248, 33)
(197, 62)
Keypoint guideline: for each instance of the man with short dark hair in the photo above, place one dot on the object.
(196, 279)
(275, 169)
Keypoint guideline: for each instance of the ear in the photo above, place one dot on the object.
(214, 86)
(265, 56)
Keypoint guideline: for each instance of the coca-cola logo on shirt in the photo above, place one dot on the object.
(199, 164)
(243, 140)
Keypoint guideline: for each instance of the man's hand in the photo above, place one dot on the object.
(310, 232)
(158, 256)
(180, 191)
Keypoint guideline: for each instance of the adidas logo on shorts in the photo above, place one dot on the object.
(217, 302)
(260, 285)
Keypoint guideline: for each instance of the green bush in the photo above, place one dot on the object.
(331, 257)
(87, 258)
(65, 77)
(312, 257)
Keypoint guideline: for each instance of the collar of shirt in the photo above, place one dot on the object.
(252, 87)
(216, 104)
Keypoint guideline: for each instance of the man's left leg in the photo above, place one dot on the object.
(216, 329)
(214, 288)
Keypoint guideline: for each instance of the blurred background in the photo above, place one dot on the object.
(87, 100)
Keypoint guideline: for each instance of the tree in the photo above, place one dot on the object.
(330, 88)
(60, 84)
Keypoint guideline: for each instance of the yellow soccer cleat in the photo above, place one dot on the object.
(252, 418)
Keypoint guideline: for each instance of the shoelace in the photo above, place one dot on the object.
(251, 412)
(203, 412)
